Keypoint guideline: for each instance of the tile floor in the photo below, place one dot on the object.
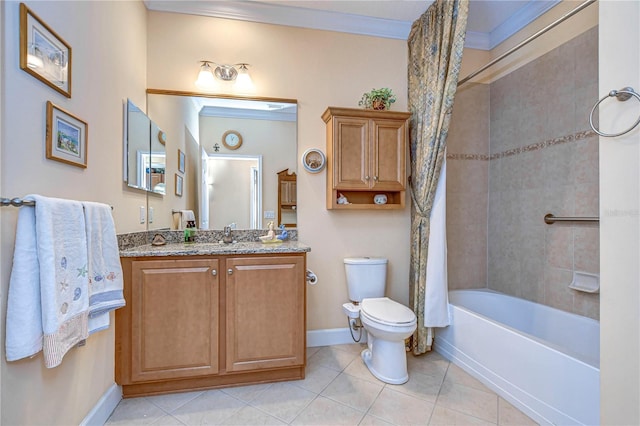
(338, 390)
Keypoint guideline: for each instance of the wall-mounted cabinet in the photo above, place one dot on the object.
(366, 156)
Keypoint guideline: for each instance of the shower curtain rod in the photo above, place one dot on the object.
(527, 41)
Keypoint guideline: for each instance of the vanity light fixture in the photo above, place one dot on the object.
(238, 72)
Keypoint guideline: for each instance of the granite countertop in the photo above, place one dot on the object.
(197, 249)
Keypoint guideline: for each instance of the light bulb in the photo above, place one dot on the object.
(206, 80)
(243, 81)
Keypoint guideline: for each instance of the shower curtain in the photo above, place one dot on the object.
(435, 53)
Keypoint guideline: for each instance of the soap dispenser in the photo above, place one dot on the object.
(190, 232)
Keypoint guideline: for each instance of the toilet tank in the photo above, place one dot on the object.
(366, 277)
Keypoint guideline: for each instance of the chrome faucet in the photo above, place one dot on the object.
(227, 238)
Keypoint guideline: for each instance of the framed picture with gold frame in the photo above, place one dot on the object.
(43, 53)
(66, 137)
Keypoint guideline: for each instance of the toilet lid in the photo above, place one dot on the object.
(387, 311)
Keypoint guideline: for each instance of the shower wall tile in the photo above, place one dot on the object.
(559, 246)
(467, 187)
(557, 293)
(463, 208)
(518, 149)
(586, 240)
(587, 304)
(532, 287)
(469, 272)
(544, 159)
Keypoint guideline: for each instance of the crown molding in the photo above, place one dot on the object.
(477, 40)
(343, 22)
(276, 115)
(291, 16)
(519, 20)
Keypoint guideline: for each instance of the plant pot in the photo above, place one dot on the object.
(378, 105)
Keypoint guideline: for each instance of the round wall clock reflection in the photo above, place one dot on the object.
(232, 139)
(313, 160)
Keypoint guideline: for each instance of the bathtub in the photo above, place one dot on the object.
(544, 361)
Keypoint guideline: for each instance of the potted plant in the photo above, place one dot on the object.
(379, 99)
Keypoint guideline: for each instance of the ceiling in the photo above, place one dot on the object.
(489, 23)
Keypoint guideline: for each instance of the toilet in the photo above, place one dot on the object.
(388, 323)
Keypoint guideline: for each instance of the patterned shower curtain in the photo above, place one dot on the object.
(435, 53)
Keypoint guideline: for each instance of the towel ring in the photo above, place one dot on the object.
(621, 95)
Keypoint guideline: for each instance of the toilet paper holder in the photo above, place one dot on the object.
(311, 278)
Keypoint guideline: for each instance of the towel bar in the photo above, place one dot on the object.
(19, 202)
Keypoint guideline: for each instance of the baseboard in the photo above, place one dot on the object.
(332, 336)
(100, 413)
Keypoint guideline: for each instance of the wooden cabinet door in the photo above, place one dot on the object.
(288, 193)
(351, 153)
(265, 304)
(388, 154)
(174, 315)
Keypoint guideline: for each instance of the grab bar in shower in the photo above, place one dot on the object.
(550, 219)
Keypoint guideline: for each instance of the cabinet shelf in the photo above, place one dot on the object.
(363, 200)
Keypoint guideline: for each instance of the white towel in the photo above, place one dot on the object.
(187, 216)
(48, 298)
(181, 217)
(105, 271)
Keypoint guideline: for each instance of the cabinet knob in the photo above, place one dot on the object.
(366, 178)
(375, 178)
(230, 271)
(214, 272)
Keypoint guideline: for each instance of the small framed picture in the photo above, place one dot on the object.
(178, 185)
(43, 53)
(67, 137)
(181, 161)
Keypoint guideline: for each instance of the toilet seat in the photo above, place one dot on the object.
(385, 311)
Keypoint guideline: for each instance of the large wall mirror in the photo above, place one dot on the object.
(145, 157)
(233, 149)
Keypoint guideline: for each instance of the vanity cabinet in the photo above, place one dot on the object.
(174, 318)
(264, 313)
(366, 156)
(201, 322)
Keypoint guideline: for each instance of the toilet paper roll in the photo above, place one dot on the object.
(312, 278)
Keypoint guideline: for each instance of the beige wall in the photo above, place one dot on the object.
(108, 41)
(319, 69)
(620, 218)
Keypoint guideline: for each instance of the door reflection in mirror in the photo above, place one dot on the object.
(235, 191)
